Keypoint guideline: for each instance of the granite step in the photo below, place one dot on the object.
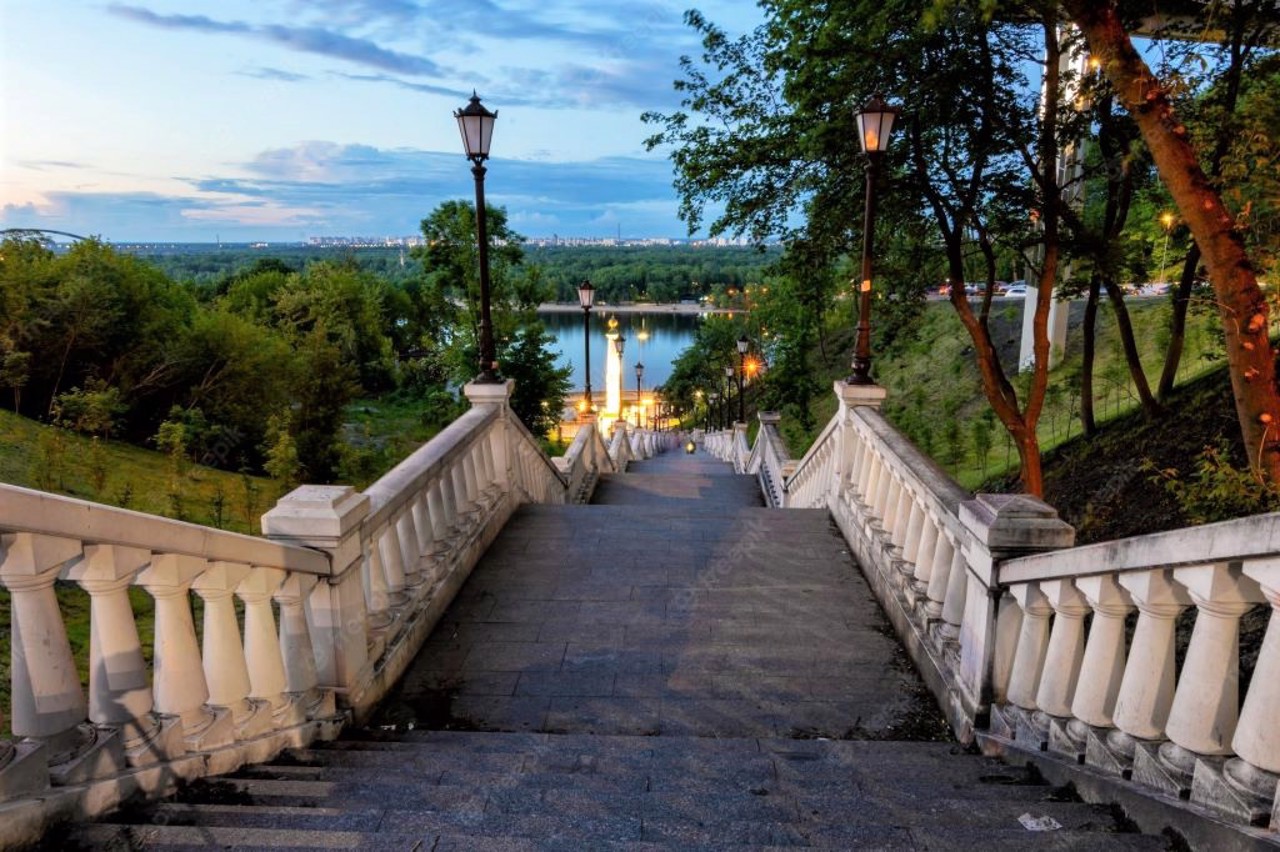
(518, 791)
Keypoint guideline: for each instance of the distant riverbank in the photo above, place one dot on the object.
(634, 308)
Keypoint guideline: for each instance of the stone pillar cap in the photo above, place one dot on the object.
(311, 512)
(489, 393)
(1016, 522)
(855, 395)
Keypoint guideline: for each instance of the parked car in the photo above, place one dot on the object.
(1016, 291)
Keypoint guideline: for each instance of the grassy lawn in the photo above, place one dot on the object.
(379, 432)
(935, 392)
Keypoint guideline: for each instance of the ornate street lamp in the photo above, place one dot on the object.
(713, 399)
(743, 346)
(586, 298)
(475, 123)
(619, 343)
(875, 123)
(728, 395)
(639, 406)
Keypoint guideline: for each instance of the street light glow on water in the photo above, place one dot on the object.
(656, 339)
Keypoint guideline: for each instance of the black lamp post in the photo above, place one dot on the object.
(619, 343)
(639, 406)
(743, 345)
(476, 125)
(714, 397)
(875, 123)
(586, 298)
(728, 395)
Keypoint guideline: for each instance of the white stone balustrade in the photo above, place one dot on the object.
(1001, 614)
(928, 547)
(359, 580)
(768, 459)
(1136, 714)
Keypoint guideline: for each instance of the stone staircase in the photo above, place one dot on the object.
(673, 667)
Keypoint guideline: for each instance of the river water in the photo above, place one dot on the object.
(655, 339)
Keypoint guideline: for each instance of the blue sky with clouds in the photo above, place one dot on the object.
(189, 120)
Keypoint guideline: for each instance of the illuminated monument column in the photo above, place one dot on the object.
(612, 376)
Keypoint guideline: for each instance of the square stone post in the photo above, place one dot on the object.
(497, 394)
(328, 518)
(851, 397)
(998, 527)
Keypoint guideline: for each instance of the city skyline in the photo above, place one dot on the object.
(188, 120)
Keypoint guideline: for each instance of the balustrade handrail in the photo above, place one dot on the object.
(25, 510)
(425, 463)
(926, 476)
(528, 438)
(801, 472)
(1239, 539)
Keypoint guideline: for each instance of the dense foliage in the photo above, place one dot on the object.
(620, 273)
(764, 145)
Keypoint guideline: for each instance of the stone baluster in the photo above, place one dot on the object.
(923, 548)
(179, 684)
(296, 648)
(438, 509)
(119, 684)
(225, 668)
(1102, 670)
(1062, 662)
(880, 503)
(262, 645)
(458, 491)
(901, 516)
(892, 497)
(1008, 627)
(46, 701)
(862, 460)
(1203, 717)
(875, 470)
(328, 518)
(916, 519)
(422, 521)
(1146, 689)
(387, 545)
(470, 475)
(410, 553)
(1033, 645)
(866, 471)
(940, 559)
(373, 583)
(1253, 775)
(955, 594)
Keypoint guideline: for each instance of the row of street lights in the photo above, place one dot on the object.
(875, 124)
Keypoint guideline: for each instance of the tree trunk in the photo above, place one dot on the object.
(1178, 324)
(1241, 304)
(1124, 324)
(1239, 50)
(1087, 420)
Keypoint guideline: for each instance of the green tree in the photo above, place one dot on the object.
(765, 133)
(450, 288)
(449, 294)
(540, 388)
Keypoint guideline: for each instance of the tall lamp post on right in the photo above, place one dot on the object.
(875, 123)
(727, 418)
(743, 345)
